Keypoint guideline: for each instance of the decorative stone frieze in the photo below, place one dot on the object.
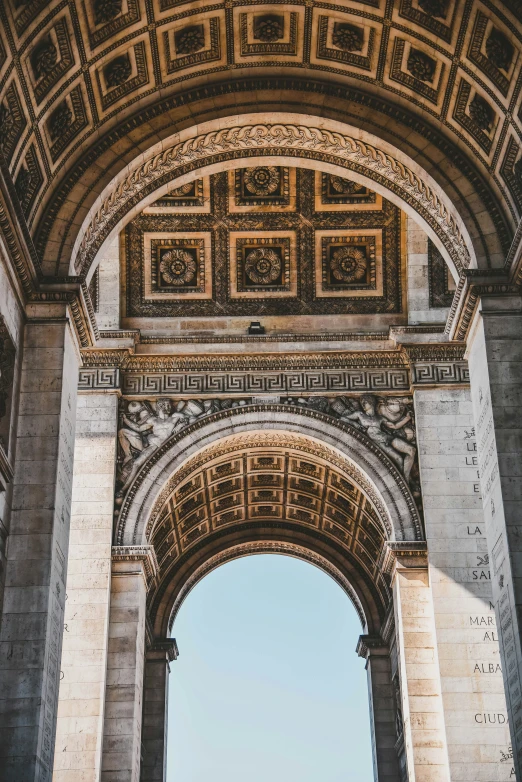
(433, 365)
(391, 371)
(98, 379)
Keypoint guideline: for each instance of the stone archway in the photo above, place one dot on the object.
(256, 481)
(268, 488)
(376, 472)
(260, 478)
(332, 146)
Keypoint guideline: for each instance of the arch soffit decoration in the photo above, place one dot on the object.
(182, 565)
(371, 469)
(290, 139)
(436, 117)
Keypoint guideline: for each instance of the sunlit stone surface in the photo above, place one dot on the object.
(260, 277)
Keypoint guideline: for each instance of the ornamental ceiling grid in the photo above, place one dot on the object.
(268, 241)
(267, 486)
(78, 66)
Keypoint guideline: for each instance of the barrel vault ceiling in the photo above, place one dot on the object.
(260, 489)
(85, 85)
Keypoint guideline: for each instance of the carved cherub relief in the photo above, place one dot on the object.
(388, 421)
(144, 426)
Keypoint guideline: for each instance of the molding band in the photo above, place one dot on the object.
(396, 371)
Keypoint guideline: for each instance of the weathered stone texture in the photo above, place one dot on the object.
(496, 390)
(32, 620)
(420, 685)
(467, 651)
(84, 654)
(125, 667)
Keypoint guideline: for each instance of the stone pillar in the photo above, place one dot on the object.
(420, 689)
(84, 654)
(32, 621)
(131, 567)
(382, 708)
(155, 709)
(495, 362)
(419, 307)
(475, 713)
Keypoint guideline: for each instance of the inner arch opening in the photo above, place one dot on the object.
(267, 684)
(268, 492)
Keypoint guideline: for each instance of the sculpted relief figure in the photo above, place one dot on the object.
(388, 424)
(144, 426)
(388, 421)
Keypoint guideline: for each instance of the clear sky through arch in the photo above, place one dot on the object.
(268, 687)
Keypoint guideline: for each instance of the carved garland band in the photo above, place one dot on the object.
(338, 148)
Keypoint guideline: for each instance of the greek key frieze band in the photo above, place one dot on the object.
(400, 379)
(99, 379)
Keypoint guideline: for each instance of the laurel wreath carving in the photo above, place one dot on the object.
(346, 149)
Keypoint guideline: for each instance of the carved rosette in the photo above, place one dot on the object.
(106, 10)
(263, 266)
(262, 180)
(348, 264)
(44, 57)
(345, 186)
(177, 267)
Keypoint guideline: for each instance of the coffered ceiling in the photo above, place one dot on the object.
(266, 240)
(87, 85)
(246, 494)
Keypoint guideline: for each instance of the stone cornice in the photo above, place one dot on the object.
(76, 297)
(166, 648)
(144, 554)
(126, 360)
(409, 554)
(473, 284)
(371, 644)
(219, 339)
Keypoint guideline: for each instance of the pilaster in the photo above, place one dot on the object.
(34, 601)
(420, 693)
(475, 713)
(155, 709)
(84, 654)
(495, 360)
(383, 720)
(131, 568)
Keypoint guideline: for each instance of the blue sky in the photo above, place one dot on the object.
(267, 687)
